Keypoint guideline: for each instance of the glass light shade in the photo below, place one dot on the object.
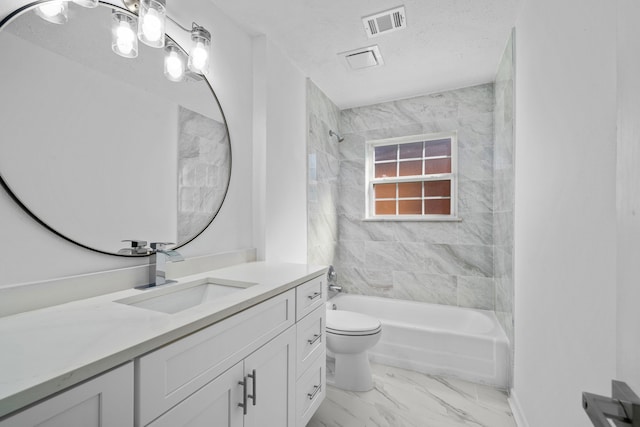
(151, 22)
(53, 11)
(87, 3)
(174, 63)
(199, 54)
(123, 35)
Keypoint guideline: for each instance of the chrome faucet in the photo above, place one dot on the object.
(332, 280)
(161, 256)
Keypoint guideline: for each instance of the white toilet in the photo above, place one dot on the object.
(349, 336)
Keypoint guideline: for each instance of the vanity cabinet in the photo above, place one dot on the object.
(173, 373)
(104, 401)
(266, 378)
(262, 366)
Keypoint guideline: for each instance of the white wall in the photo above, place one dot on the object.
(29, 252)
(281, 169)
(628, 194)
(565, 217)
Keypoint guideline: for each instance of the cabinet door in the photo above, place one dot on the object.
(105, 401)
(274, 367)
(215, 404)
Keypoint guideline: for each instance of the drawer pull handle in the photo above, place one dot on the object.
(252, 375)
(315, 391)
(314, 295)
(315, 338)
(243, 405)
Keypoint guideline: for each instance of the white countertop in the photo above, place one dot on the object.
(47, 350)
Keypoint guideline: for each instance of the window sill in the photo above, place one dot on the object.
(413, 219)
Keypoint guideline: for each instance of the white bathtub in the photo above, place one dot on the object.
(436, 339)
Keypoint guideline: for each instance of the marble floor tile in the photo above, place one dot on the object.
(402, 398)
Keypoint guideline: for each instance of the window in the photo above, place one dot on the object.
(412, 178)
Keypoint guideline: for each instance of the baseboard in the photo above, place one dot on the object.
(516, 409)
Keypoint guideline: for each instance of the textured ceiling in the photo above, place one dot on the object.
(447, 44)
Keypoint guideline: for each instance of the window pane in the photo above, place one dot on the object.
(385, 191)
(386, 152)
(437, 188)
(441, 147)
(410, 189)
(411, 168)
(386, 207)
(385, 170)
(411, 151)
(410, 207)
(437, 207)
(437, 166)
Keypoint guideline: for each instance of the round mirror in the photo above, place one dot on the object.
(99, 148)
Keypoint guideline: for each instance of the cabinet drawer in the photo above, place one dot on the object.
(310, 337)
(311, 390)
(310, 295)
(168, 375)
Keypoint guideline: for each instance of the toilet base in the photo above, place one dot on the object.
(353, 372)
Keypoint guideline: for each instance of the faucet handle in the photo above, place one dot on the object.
(138, 247)
(137, 243)
(160, 246)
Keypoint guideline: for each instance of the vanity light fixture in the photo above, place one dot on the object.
(87, 3)
(174, 63)
(151, 22)
(123, 36)
(146, 23)
(53, 11)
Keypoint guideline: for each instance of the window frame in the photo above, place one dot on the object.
(371, 180)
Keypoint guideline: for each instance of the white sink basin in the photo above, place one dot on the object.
(176, 298)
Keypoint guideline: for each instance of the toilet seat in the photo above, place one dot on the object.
(341, 322)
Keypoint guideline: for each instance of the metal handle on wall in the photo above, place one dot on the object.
(623, 407)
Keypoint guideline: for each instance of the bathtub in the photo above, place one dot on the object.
(436, 339)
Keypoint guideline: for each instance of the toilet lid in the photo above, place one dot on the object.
(342, 321)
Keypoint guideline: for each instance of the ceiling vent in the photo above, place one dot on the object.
(365, 57)
(385, 22)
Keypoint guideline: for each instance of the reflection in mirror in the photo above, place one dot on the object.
(101, 148)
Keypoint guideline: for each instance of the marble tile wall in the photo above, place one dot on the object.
(503, 190)
(323, 167)
(438, 262)
(203, 170)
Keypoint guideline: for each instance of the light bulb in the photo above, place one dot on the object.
(124, 41)
(199, 56)
(152, 26)
(174, 64)
(53, 11)
(151, 22)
